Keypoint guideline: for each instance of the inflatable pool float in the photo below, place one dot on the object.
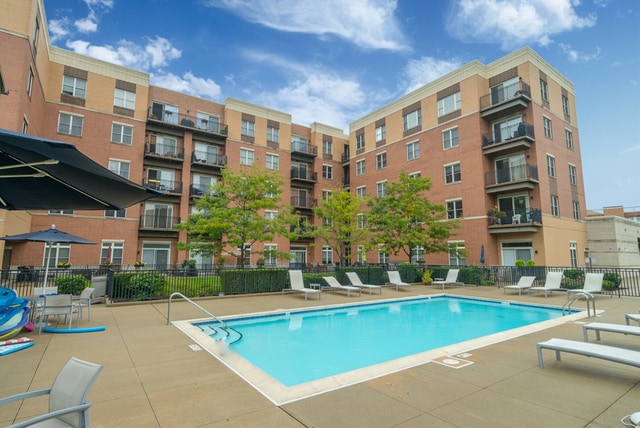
(10, 349)
(74, 330)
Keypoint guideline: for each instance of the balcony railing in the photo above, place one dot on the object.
(503, 94)
(521, 130)
(181, 120)
(303, 202)
(202, 157)
(169, 151)
(304, 148)
(164, 186)
(514, 174)
(158, 221)
(199, 190)
(303, 174)
(515, 217)
(345, 157)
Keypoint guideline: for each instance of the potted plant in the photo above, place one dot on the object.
(497, 214)
(139, 264)
(64, 265)
(426, 277)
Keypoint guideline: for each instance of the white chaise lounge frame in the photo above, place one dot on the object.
(610, 353)
(611, 328)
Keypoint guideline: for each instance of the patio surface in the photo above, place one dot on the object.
(153, 378)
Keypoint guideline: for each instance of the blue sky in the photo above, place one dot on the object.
(333, 61)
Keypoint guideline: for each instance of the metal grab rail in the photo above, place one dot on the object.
(193, 303)
(572, 297)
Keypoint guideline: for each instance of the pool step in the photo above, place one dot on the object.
(226, 334)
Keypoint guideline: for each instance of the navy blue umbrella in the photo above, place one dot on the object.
(482, 254)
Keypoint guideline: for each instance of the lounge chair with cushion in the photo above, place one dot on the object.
(357, 282)
(394, 279)
(611, 353)
(552, 283)
(451, 279)
(68, 406)
(592, 284)
(335, 285)
(297, 285)
(524, 283)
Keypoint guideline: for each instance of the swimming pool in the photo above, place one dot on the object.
(289, 354)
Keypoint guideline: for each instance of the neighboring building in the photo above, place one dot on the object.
(503, 134)
(613, 237)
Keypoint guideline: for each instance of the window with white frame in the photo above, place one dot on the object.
(124, 99)
(547, 127)
(115, 213)
(74, 86)
(573, 178)
(359, 141)
(120, 167)
(454, 209)
(70, 124)
(246, 157)
(163, 145)
(381, 160)
(381, 188)
(573, 253)
(30, 82)
(412, 120)
(273, 161)
(270, 254)
(576, 210)
(248, 128)
(361, 191)
(208, 122)
(36, 33)
(511, 168)
(327, 147)
(121, 134)
(449, 104)
(273, 134)
(270, 214)
(25, 125)
(361, 254)
(417, 254)
(61, 212)
(360, 167)
(504, 90)
(299, 144)
(327, 172)
(112, 251)
(327, 255)
(381, 133)
(204, 185)
(565, 105)
(413, 150)
(452, 173)
(415, 175)
(544, 90)
(362, 220)
(162, 180)
(568, 135)
(555, 206)
(207, 153)
(164, 112)
(450, 138)
(383, 255)
(56, 253)
(456, 254)
(551, 166)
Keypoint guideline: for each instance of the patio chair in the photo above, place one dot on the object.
(335, 285)
(84, 301)
(524, 283)
(552, 283)
(68, 406)
(357, 282)
(57, 305)
(451, 279)
(297, 285)
(395, 280)
(592, 284)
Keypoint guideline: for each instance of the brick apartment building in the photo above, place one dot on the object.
(503, 134)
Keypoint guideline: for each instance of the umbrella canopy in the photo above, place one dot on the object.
(49, 236)
(36, 173)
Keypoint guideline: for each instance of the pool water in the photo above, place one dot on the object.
(308, 345)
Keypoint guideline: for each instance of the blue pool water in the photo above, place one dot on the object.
(308, 345)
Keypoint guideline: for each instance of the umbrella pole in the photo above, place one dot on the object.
(47, 259)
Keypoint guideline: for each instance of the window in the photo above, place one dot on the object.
(362, 220)
(164, 112)
(327, 255)
(568, 135)
(61, 212)
(360, 167)
(417, 255)
(273, 161)
(203, 185)
(413, 119)
(454, 209)
(299, 144)
(70, 124)
(74, 87)
(326, 195)
(121, 134)
(544, 90)
(270, 215)
(381, 133)
(124, 99)
(449, 104)
(573, 179)
(383, 255)
(115, 213)
(381, 160)
(119, 167)
(573, 254)
(162, 180)
(551, 166)
(450, 138)
(511, 168)
(206, 153)
(207, 122)
(456, 254)
(246, 157)
(504, 90)
(547, 127)
(576, 210)
(36, 33)
(381, 188)
(452, 173)
(361, 191)
(415, 175)
(25, 125)
(361, 255)
(327, 147)
(273, 134)
(555, 210)
(413, 150)
(248, 128)
(57, 253)
(270, 254)
(163, 145)
(359, 141)
(327, 172)
(112, 252)
(565, 105)
(507, 129)
(30, 82)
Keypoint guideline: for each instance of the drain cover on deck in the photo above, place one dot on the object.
(453, 362)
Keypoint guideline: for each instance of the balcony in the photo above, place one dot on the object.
(158, 221)
(200, 190)
(170, 187)
(303, 202)
(167, 152)
(200, 157)
(510, 139)
(515, 221)
(505, 100)
(303, 148)
(302, 233)
(161, 116)
(304, 175)
(519, 177)
(345, 157)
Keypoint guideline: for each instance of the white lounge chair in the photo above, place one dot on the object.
(297, 285)
(630, 317)
(524, 283)
(357, 282)
(611, 328)
(394, 279)
(335, 285)
(610, 353)
(68, 406)
(552, 283)
(592, 284)
(451, 279)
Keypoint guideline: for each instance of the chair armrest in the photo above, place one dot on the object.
(51, 415)
(24, 395)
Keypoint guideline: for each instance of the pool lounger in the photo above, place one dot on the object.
(612, 328)
(629, 317)
(611, 353)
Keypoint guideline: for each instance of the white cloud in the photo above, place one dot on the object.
(370, 24)
(188, 84)
(419, 72)
(88, 24)
(515, 23)
(58, 29)
(575, 56)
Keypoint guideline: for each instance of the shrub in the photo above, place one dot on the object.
(573, 278)
(138, 286)
(520, 263)
(409, 273)
(613, 280)
(71, 284)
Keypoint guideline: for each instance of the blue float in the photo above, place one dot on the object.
(74, 330)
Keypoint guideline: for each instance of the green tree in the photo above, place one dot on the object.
(338, 223)
(234, 215)
(404, 218)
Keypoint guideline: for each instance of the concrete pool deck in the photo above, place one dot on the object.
(154, 378)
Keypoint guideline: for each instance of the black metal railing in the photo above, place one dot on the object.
(158, 113)
(520, 130)
(201, 190)
(518, 216)
(500, 94)
(157, 221)
(203, 157)
(304, 174)
(303, 202)
(171, 151)
(524, 172)
(304, 147)
(162, 185)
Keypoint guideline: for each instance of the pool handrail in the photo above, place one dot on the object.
(193, 303)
